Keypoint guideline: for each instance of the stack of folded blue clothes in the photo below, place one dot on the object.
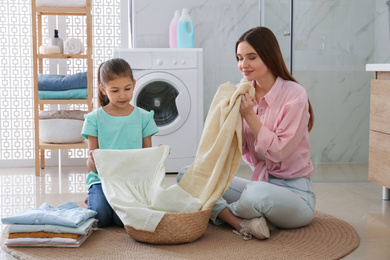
(64, 226)
(63, 87)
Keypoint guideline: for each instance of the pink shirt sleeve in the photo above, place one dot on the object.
(278, 145)
(281, 147)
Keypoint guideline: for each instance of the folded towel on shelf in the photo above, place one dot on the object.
(65, 94)
(73, 46)
(63, 3)
(52, 82)
(62, 114)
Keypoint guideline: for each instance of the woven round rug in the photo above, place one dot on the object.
(327, 237)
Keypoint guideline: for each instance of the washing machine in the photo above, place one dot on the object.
(170, 82)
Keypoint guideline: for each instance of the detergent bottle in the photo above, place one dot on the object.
(173, 30)
(56, 41)
(185, 31)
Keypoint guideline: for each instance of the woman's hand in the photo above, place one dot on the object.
(246, 111)
(246, 106)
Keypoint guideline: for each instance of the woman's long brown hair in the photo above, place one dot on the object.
(267, 47)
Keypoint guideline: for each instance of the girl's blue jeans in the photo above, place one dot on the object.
(97, 201)
(286, 203)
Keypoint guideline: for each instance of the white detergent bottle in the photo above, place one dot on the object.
(56, 41)
(185, 31)
(173, 30)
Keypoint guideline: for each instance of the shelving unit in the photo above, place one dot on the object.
(379, 147)
(37, 13)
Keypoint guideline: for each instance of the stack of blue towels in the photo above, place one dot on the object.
(67, 225)
(63, 87)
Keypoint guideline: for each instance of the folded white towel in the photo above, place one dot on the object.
(73, 46)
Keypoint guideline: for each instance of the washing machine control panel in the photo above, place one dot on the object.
(175, 60)
(161, 59)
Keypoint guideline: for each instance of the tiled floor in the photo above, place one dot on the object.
(342, 190)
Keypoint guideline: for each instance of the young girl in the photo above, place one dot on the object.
(116, 124)
(276, 125)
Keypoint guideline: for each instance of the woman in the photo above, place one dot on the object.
(276, 125)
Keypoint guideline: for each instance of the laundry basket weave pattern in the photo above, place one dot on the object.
(174, 228)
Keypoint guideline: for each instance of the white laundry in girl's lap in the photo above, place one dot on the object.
(133, 182)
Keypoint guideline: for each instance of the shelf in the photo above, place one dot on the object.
(61, 10)
(62, 56)
(82, 145)
(62, 101)
(38, 64)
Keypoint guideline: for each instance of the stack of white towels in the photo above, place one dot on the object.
(67, 225)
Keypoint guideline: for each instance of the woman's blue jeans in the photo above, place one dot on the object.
(286, 203)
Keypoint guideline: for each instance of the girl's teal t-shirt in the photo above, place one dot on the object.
(118, 132)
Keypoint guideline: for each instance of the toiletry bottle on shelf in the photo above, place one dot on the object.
(173, 30)
(185, 31)
(56, 41)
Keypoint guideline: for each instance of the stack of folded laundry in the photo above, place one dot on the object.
(64, 226)
(51, 86)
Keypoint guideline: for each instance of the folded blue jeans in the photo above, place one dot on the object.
(97, 201)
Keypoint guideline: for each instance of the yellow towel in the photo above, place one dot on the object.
(220, 149)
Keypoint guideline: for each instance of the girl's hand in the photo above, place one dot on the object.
(246, 106)
(91, 156)
(91, 162)
(169, 148)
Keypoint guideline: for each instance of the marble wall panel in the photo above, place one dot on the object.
(333, 40)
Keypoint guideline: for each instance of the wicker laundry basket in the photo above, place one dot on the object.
(174, 228)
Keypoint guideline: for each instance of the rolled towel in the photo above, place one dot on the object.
(73, 46)
(43, 49)
(52, 82)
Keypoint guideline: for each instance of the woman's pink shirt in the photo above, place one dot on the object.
(281, 147)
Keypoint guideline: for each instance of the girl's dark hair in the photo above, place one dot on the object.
(110, 70)
(267, 47)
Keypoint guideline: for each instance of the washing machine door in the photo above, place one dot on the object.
(167, 96)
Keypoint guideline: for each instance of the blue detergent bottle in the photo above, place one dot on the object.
(185, 31)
